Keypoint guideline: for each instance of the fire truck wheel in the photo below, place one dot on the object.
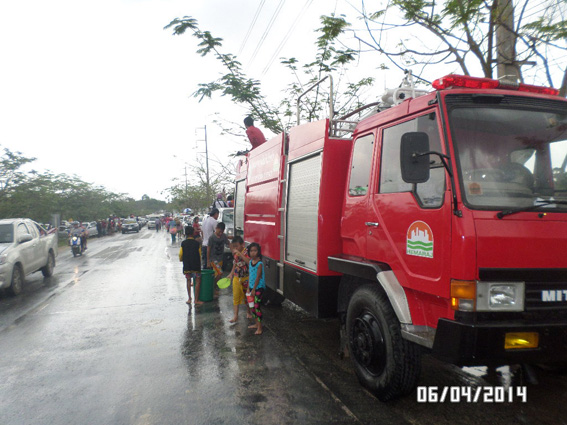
(385, 363)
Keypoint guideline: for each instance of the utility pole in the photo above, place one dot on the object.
(209, 196)
(507, 67)
(186, 185)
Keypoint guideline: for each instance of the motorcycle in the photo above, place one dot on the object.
(76, 245)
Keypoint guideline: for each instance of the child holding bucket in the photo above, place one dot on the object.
(240, 273)
(257, 283)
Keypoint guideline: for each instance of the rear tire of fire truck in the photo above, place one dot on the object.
(384, 362)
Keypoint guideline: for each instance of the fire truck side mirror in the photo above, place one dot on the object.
(414, 157)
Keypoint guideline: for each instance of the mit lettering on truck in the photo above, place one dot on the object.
(434, 224)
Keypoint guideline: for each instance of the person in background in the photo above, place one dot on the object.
(254, 134)
(215, 250)
(172, 229)
(191, 257)
(196, 227)
(209, 226)
(78, 230)
(219, 202)
(230, 201)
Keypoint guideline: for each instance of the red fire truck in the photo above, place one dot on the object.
(437, 223)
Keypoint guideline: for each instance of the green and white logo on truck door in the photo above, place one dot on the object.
(420, 240)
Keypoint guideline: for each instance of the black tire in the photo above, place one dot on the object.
(47, 271)
(17, 283)
(384, 362)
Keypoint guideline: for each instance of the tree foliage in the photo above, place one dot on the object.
(41, 195)
(242, 89)
(463, 34)
(194, 194)
(234, 83)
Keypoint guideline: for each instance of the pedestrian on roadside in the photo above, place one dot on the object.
(197, 227)
(215, 250)
(180, 227)
(239, 276)
(172, 229)
(230, 201)
(257, 283)
(209, 226)
(190, 254)
(98, 228)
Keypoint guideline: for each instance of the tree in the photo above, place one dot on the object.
(463, 33)
(41, 195)
(194, 195)
(242, 89)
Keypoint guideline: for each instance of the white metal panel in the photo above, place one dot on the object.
(302, 212)
(239, 205)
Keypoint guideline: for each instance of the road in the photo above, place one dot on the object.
(109, 340)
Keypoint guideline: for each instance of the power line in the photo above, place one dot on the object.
(267, 31)
(286, 37)
(252, 25)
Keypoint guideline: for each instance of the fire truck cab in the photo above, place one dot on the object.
(436, 224)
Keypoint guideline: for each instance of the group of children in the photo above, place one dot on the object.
(247, 274)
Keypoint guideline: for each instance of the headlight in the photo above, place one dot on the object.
(500, 296)
(3, 258)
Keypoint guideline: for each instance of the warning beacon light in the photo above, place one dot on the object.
(462, 81)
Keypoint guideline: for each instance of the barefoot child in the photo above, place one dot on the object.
(191, 257)
(257, 283)
(240, 273)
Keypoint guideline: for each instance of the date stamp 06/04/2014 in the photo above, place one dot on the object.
(464, 394)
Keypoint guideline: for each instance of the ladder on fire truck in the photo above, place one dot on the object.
(343, 127)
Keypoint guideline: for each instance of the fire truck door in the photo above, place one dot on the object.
(353, 230)
(408, 226)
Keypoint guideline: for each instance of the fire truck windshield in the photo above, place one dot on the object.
(511, 158)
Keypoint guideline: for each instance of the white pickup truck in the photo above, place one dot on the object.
(25, 247)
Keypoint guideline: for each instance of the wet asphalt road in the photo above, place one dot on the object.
(109, 340)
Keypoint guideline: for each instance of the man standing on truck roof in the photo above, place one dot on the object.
(254, 134)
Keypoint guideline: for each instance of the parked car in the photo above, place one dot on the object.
(63, 231)
(91, 229)
(130, 225)
(25, 247)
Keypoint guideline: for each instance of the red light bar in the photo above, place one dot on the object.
(538, 89)
(454, 81)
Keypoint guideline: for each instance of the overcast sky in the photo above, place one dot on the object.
(100, 90)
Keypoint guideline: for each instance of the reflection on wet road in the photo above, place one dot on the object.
(110, 340)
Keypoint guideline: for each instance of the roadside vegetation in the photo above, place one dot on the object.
(41, 196)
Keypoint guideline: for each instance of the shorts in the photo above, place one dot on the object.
(217, 267)
(192, 274)
(239, 287)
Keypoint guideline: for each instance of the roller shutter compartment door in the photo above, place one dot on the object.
(302, 212)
